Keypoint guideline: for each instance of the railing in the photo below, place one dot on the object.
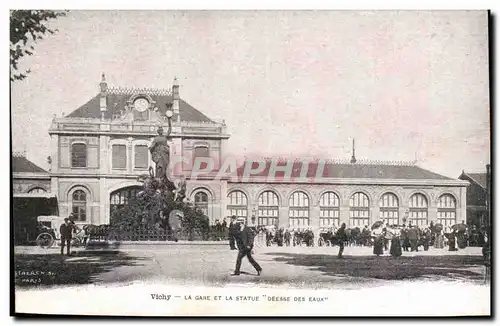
(158, 234)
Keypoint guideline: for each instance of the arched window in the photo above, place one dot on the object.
(389, 208)
(79, 155)
(268, 209)
(418, 210)
(121, 197)
(237, 204)
(298, 210)
(329, 204)
(447, 210)
(79, 205)
(37, 190)
(359, 210)
(201, 201)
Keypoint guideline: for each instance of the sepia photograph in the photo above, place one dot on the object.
(256, 163)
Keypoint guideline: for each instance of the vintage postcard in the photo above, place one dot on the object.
(250, 163)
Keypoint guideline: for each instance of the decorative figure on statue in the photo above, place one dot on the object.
(180, 192)
(160, 150)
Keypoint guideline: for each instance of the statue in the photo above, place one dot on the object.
(160, 151)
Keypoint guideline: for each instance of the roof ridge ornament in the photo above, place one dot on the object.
(118, 90)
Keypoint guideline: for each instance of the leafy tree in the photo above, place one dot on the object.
(26, 27)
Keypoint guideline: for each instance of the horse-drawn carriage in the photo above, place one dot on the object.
(48, 232)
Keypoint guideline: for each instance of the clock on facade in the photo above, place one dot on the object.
(141, 104)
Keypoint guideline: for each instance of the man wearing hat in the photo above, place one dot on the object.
(244, 241)
(233, 232)
(66, 231)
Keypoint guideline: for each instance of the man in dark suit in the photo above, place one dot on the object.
(244, 241)
(66, 231)
(234, 229)
(341, 238)
(413, 237)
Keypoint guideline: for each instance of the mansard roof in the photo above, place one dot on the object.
(346, 170)
(118, 97)
(21, 164)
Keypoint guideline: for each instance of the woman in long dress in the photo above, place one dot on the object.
(439, 241)
(396, 243)
(378, 241)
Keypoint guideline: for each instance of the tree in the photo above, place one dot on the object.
(26, 27)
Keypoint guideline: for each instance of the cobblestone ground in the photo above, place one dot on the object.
(212, 264)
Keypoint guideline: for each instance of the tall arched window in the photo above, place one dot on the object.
(359, 210)
(268, 209)
(79, 205)
(329, 205)
(79, 155)
(201, 201)
(298, 210)
(238, 204)
(418, 210)
(121, 197)
(447, 210)
(389, 208)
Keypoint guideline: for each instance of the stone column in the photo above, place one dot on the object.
(462, 212)
(314, 217)
(103, 154)
(283, 217)
(104, 217)
(54, 153)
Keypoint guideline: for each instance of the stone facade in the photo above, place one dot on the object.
(110, 120)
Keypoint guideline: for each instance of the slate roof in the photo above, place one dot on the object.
(22, 164)
(350, 171)
(117, 101)
(479, 178)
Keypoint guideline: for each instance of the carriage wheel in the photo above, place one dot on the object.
(45, 240)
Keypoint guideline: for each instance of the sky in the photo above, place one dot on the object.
(405, 85)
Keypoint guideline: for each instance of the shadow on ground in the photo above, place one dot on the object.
(79, 268)
(469, 268)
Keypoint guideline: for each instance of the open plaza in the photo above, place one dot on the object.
(212, 263)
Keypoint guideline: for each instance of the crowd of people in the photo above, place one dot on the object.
(381, 236)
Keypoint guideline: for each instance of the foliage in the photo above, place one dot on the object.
(26, 28)
(144, 212)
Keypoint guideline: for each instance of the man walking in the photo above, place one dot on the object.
(341, 238)
(66, 231)
(244, 241)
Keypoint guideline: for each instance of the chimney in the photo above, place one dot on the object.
(176, 99)
(353, 157)
(103, 96)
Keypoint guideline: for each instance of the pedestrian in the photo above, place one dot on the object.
(439, 241)
(413, 237)
(66, 231)
(341, 238)
(233, 232)
(451, 241)
(395, 249)
(244, 241)
(378, 241)
(426, 236)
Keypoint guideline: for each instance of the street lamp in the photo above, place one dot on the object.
(169, 113)
(253, 216)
